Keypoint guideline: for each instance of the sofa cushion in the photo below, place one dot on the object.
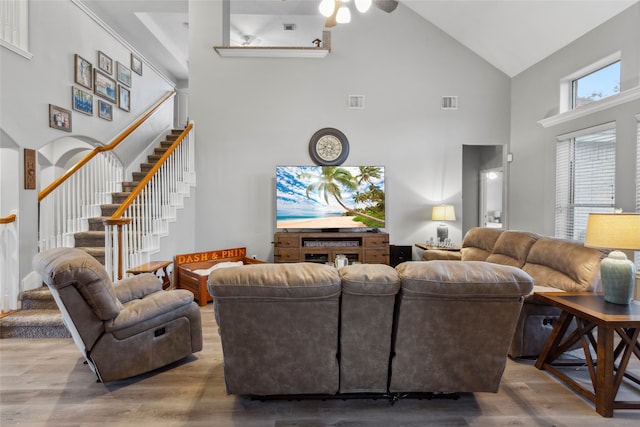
(512, 248)
(472, 279)
(275, 281)
(369, 279)
(564, 265)
(478, 243)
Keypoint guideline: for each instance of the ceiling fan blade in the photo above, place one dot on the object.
(386, 5)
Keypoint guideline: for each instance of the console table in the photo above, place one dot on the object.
(591, 311)
(364, 247)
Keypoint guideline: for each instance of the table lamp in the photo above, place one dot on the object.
(443, 213)
(615, 231)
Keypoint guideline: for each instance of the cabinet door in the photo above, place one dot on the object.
(284, 241)
(286, 255)
(376, 256)
(376, 241)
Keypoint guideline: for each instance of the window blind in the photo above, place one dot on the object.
(585, 178)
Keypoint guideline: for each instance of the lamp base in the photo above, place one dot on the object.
(618, 278)
(443, 232)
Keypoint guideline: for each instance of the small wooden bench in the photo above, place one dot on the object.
(190, 269)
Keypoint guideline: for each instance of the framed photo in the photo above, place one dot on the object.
(81, 101)
(29, 169)
(82, 72)
(136, 64)
(59, 118)
(123, 74)
(105, 110)
(104, 86)
(124, 98)
(105, 63)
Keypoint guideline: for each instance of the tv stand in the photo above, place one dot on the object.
(322, 247)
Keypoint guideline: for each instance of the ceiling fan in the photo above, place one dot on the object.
(337, 13)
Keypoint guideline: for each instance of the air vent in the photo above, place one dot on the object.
(356, 102)
(289, 27)
(449, 103)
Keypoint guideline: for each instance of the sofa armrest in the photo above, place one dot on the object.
(154, 310)
(136, 287)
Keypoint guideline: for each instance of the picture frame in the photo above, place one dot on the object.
(105, 110)
(104, 86)
(136, 64)
(124, 98)
(105, 63)
(123, 74)
(81, 101)
(29, 169)
(83, 72)
(59, 118)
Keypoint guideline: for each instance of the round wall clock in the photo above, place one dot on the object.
(328, 147)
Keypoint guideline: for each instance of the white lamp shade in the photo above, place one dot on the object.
(327, 7)
(443, 213)
(344, 15)
(363, 5)
(613, 231)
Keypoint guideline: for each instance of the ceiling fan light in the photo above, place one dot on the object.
(327, 7)
(363, 5)
(344, 15)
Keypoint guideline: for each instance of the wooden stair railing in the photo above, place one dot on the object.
(67, 203)
(132, 230)
(9, 276)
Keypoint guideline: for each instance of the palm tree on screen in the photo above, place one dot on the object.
(329, 183)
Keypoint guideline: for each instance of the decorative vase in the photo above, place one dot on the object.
(618, 278)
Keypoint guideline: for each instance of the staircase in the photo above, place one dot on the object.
(39, 316)
(93, 240)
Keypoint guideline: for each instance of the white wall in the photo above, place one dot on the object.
(253, 114)
(535, 96)
(58, 30)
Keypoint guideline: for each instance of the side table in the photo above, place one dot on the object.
(607, 372)
(153, 267)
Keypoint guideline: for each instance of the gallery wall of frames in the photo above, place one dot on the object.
(97, 90)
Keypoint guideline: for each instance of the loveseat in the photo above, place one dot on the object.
(310, 329)
(554, 264)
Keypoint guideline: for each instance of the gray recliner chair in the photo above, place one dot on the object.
(125, 328)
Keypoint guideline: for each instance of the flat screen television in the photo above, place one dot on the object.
(330, 197)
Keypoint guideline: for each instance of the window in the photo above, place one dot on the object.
(14, 26)
(596, 85)
(585, 178)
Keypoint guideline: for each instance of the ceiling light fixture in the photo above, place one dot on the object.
(343, 14)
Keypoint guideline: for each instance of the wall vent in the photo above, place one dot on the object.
(356, 102)
(289, 27)
(449, 103)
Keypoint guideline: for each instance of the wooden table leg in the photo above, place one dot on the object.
(604, 386)
(547, 354)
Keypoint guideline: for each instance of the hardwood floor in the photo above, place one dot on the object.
(43, 382)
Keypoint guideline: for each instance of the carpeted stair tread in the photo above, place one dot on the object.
(34, 324)
(97, 223)
(37, 299)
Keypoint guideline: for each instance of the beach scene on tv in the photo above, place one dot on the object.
(321, 197)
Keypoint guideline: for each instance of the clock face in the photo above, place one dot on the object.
(328, 147)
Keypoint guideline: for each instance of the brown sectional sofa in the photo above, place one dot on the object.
(554, 264)
(309, 329)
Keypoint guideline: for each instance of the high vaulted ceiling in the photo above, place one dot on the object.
(510, 34)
